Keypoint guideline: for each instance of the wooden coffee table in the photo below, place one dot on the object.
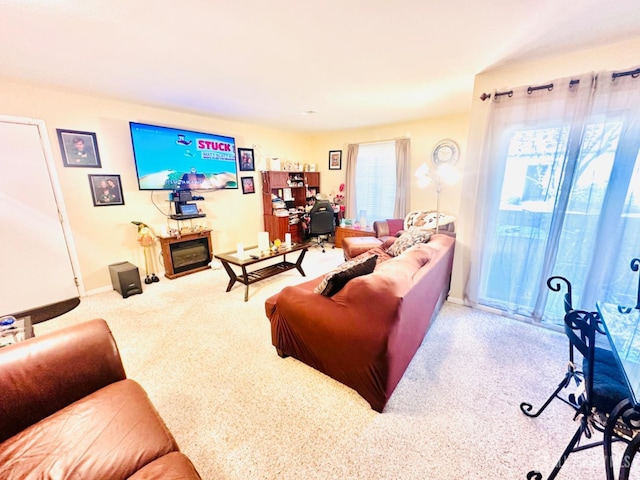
(252, 256)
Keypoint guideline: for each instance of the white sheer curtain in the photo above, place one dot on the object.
(350, 196)
(402, 177)
(558, 194)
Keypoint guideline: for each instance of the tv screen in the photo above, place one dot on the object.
(174, 159)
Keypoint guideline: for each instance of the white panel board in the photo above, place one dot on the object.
(35, 266)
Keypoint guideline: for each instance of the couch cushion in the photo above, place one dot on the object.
(110, 433)
(333, 281)
(408, 239)
(172, 466)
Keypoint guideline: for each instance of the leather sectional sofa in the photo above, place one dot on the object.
(67, 410)
(366, 334)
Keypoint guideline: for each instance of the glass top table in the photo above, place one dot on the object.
(622, 327)
(623, 330)
(252, 256)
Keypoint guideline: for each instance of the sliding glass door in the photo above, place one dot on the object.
(560, 195)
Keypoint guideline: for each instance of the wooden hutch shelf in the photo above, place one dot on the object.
(274, 183)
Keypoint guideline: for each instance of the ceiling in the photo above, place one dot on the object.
(354, 62)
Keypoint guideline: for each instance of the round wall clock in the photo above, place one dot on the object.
(446, 152)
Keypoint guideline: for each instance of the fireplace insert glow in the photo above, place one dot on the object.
(189, 255)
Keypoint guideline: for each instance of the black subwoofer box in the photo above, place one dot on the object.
(125, 279)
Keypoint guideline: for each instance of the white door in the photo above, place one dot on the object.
(35, 261)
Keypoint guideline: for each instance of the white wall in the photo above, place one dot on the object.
(424, 135)
(104, 235)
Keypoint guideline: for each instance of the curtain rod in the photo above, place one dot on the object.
(381, 141)
(633, 73)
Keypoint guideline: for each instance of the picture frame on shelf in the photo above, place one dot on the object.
(246, 160)
(106, 190)
(335, 159)
(78, 148)
(247, 185)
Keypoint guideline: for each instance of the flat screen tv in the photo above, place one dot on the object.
(175, 159)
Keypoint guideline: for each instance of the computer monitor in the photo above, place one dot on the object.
(188, 209)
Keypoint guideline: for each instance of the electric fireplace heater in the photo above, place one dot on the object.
(189, 255)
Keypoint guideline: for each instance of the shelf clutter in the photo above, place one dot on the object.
(284, 197)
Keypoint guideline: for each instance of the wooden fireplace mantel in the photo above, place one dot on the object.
(166, 242)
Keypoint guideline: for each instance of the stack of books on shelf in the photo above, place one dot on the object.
(279, 207)
(294, 216)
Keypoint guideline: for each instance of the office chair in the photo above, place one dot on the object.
(602, 389)
(321, 222)
(555, 284)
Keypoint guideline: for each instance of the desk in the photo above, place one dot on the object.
(623, 331)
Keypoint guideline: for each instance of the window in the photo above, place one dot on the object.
(534, 169)
(376, 180)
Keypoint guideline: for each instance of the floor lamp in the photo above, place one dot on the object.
(443, 174)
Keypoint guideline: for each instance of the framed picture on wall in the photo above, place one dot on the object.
(106, 190)
(335, 159)
(247, 185)
(245, 159)
(79, 149)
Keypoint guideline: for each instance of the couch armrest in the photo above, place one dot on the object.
(44, 374)
(381, 227)
(343, 324)
(387, 228)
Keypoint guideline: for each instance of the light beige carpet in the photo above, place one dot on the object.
(241, 412)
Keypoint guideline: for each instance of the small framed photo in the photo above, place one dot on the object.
(247, 185)
(245, 159)
(79, 149)
(335, 160)
(106, 190)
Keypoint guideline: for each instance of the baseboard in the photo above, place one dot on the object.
(106, 288)
(457, 301)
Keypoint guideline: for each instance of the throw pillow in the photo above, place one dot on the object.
(408, 239)
(336, 279)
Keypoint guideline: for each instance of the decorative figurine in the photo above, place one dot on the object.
(146, 238)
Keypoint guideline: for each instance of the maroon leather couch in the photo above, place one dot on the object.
(365, 335)
(67, 410)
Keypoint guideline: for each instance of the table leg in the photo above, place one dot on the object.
(245, 277)
(299, 262)
(232, 275)
(627, 458)
(625, 412)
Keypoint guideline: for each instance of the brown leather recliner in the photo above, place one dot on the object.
(67, 410)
